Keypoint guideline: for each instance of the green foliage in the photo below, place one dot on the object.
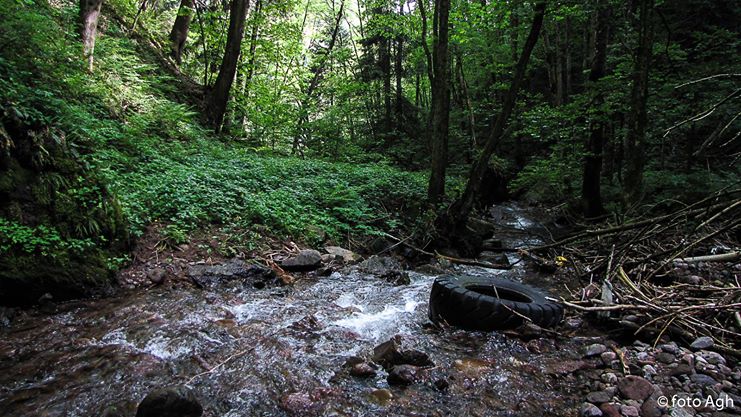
(40, 240)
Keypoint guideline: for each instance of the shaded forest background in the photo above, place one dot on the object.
(340, 120)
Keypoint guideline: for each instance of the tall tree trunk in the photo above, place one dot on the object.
(635, 140)
(591, 191)
(247, 81)
(89, 13)
(398, 68)
(180, 28)
(385, 63)
(440, 103)
(463, 207)
(219, 94)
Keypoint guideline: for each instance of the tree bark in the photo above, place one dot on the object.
(440, 103)
(463, 207)
(89, 13)
(591, 191)
(219, 94)
(398, 69)
(637, 119)
(180, 28)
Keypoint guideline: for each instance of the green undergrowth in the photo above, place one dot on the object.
(156, 158)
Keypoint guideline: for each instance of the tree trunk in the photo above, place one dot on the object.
(398, 68)
(591, 191)
(635, 140)
(219, 94)
(463, 207)
(247, 81)
(179, 33)
(440, 103)
(89, 13)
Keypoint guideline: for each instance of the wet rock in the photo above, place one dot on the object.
(231, 272)
(610, 410)
(362, 370)
(390, 354)
(380, 265)
(345, 255)
(306, 324)
(608, 357)
(681, 369)
(609, 378)
(594, 350)
(665, 357)
(170, 402)
(649, 371)
(402, 375)
(381, 396)
(671, 348)
(494, 258)
(650, 408)
(157, 275)
(713, 358)
(701, 343)
(306, 260)
(635, 388)
(599, 397)
(589, 410)
(703, 380)
(397, 277)
(629, 411)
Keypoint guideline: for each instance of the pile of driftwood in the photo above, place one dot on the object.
(675, 273)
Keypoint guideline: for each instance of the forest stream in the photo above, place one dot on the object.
(281, 350)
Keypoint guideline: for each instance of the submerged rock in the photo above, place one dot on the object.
(397, 277)
(402, 375)
(170, 402)
(390, 354)
(306, 260)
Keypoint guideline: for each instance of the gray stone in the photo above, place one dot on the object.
(599, 397)
(703, 342)
(703, 380)
(345, 254)
(306, 260)
(594, 350)
(666, 357)
(590, 410)
(635, 388)
(711, 357)
(608, 357)
(629, 411)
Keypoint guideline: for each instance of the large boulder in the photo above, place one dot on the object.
(231, 272)
(306, 260)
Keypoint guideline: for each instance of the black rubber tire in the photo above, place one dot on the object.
(472, 303)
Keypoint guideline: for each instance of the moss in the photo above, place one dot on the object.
(68, 224)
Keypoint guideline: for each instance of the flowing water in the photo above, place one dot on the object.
(274, 352)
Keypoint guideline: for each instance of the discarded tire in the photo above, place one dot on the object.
(487, 304)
